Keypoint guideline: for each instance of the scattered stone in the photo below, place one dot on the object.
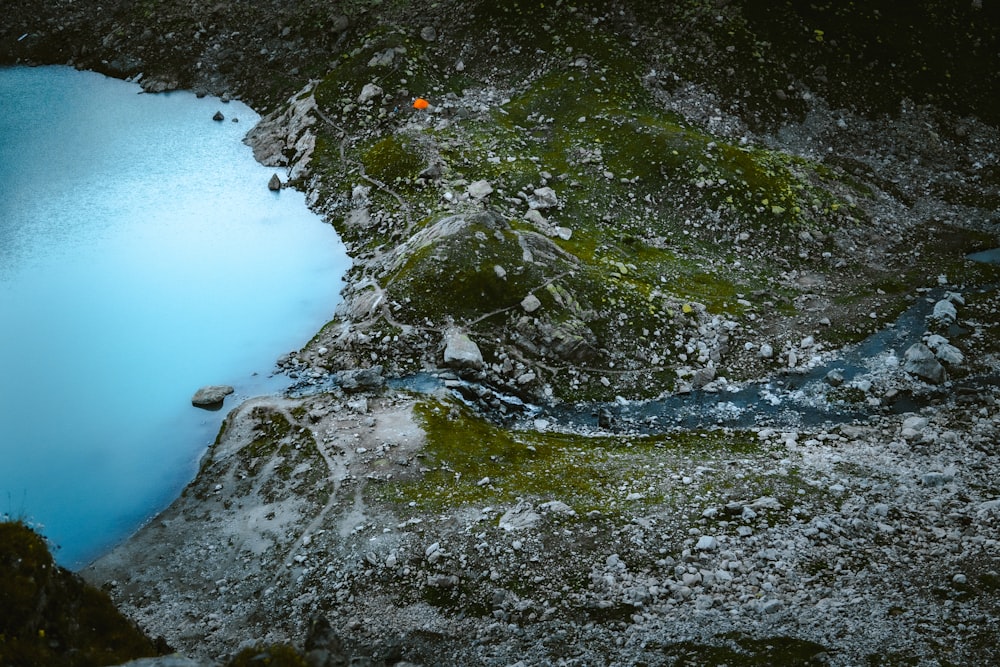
(428, 33)
(912, 427)
(274, 184)
(218, 117)
(944, 312)
(479, 189)
(369, 92)
(530, 303)
(771, 606)
(519, 517)
(707, 543)
(702, 376)
(765, 351)
(544, 198)
(834, 378)
(936, 478)
(211, 396)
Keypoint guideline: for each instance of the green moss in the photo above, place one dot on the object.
(50, 618)
(390, 159)
(275, 655)
(588, 473)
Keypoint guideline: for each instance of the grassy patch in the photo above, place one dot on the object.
(607, 474)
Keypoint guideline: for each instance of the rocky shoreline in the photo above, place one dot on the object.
(587, 215)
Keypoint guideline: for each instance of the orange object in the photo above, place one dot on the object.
(420, 103)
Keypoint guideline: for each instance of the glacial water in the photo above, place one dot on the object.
(141, 257)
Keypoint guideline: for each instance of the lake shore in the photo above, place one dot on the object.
(536, 247)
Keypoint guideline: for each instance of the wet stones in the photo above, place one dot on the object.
(920, 361)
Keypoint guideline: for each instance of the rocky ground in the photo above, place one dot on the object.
(603, 204)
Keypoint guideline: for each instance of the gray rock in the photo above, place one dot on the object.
(707, 543)
(519, 517)
(771, 606)
(218, 117)
(912, 427)
(369, 92)
(460, 351)
(530, 303)
(556, 507)
(944, 312)
(382, 58)
(211, 396)
(765, 351)
(920, 361)
(703, 376)
(536, 218)
(479, 189)
(949, 354)
(544, 198)
(167, 661)
(428, 34)
(526, 378)
(361, 379)
(936, 478)
(834, 378)
(274, 184)
(442, 580)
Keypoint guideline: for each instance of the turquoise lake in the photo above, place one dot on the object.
(141, 257)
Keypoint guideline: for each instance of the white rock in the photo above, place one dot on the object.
(556, 507)
(530, 303)
(771, 606)
(944, 312)
(544, 198)
(536, 218)
(460, 351)
(765, 351)
(369, 92)
(519, 517)
(707, 543)
(479, 189)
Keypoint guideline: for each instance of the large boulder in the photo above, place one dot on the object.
(920, 361)
(361, 379)
(460, 351)
(212, 396)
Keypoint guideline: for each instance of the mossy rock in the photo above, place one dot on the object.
(49, 617)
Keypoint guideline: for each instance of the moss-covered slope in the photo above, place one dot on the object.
(50, 617)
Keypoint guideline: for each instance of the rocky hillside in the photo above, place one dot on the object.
(51, 617)
(603, 206)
